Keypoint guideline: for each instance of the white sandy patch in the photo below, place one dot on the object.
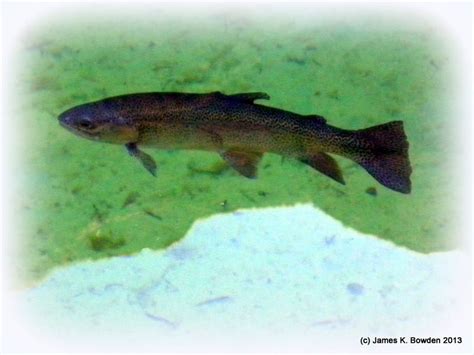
(275, 279)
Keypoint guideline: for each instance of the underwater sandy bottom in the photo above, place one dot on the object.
(289, 278)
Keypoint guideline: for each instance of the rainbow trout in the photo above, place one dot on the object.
(241, 131)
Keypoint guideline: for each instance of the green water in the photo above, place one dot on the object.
(89, 200)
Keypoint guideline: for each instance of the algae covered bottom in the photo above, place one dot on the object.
(88, 201)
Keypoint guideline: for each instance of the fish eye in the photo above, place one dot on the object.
(85, 123)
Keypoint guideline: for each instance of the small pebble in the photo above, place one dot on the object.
(371, 191)
(355, 289)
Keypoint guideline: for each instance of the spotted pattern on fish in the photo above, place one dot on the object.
(240, 130)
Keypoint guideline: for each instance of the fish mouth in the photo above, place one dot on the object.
(65, 123)
(64, 120)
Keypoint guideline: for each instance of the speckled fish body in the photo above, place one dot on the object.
(241, 131)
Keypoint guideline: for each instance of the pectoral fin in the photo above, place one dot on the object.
(243, 162)
(325, 165)
(147, 161)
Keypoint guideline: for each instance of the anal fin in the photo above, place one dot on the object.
(326, 165)
(244, 163)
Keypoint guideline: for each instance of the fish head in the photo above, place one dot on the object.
(98, 123)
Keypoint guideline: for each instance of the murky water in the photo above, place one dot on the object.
(91, 200)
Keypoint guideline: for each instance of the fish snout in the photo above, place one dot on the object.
(77, 121)
(65, 120)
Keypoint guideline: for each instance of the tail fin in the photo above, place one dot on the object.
(383, 152)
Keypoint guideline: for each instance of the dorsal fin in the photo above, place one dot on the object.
(315, 119)
(250, 97)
